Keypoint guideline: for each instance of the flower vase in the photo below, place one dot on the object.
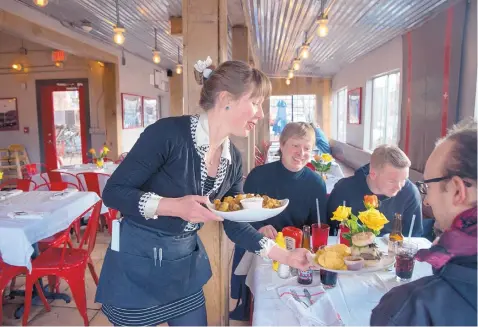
(343, 230)
(100, 163)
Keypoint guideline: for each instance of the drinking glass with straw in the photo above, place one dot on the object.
(320, 232)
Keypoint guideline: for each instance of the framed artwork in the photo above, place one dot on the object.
(132, 110)
(9, 114)
(354, 106)
(151, 111)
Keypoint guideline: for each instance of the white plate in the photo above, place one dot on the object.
(385, 263)
(250, 215)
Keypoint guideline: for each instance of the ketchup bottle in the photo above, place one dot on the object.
(293, 237)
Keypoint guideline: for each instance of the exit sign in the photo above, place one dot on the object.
(58, 55)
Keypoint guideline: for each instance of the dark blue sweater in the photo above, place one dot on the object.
(352, 190)
(301, 188)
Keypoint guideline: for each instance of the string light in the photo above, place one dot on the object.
(40, 3)
(304, 51)
(323, 29)
(156, 57)
(119, 36)
(290, 74)
(17, 67)
(179, 69)
(296, 64)
(287, 81)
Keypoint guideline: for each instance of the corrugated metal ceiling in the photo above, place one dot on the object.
(355, 28)
(139, 18)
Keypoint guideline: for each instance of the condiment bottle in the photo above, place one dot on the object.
(293, 237)
(306, 277)
(396, 237)
(280, 241)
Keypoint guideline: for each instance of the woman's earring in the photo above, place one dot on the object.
(227, 107)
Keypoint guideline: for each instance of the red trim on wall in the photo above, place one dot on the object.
(446, 71)
(409, 94)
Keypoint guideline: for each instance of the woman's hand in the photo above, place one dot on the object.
(297, 258)
(268, 231)
(188, 208)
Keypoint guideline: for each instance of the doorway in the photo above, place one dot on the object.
(63, 120)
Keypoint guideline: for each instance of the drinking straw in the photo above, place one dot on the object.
(411, 228)
(318, 212)
(344, 203)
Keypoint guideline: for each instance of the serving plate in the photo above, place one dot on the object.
(249, 215)
(385, 263)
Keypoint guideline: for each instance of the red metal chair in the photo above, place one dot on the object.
(121, 158)
(68, 264)
(58, 177)
(32, 169)
(91, 182)
(7, 273)
(21, 184)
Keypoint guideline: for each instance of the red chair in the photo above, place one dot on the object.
(20, 184)
(7, 273)
(58, 177)
(68, 264)
(121, 158)
(91, 182)
(29, 170)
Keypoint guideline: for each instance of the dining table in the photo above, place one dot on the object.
(353, 297)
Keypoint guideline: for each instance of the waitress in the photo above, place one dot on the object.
(175, 167)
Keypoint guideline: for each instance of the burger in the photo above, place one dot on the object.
(363, 245)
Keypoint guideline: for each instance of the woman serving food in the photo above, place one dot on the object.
(178, 165)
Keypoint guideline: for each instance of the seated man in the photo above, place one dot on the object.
(448, 297)
(321, 141)
(387, 177)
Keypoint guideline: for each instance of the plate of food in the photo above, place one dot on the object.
(248, 208)
(362, 257)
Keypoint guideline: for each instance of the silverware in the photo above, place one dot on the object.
(308, 296)
(296, 297)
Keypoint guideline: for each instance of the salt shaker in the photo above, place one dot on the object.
(283, 271)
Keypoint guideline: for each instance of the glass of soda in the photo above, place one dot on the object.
(405, 261)
(328, 278)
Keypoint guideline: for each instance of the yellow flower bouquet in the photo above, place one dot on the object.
(99, 159)
(370, 220)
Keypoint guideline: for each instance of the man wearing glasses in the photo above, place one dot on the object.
(449, 296)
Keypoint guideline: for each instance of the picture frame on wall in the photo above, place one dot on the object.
(354, 106)
(132, 106)
(9, 114)
(151, 110)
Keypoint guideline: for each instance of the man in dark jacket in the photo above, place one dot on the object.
(387, 177)
(449, 296)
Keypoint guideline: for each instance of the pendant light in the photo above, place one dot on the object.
(290, 74)
(287, 81)
(40, 3)
(18, 67)
(304, 50)
(156, 56)
(118, 29)
(179, 67)
(322, 21)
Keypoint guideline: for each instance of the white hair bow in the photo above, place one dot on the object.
(202, 67)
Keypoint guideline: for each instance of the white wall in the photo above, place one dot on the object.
(134, 78)
(384, 59)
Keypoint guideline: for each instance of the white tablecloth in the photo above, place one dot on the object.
(354, 297)
(18, 235)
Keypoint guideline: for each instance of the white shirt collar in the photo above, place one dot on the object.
(202, 137)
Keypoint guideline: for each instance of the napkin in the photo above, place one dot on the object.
(320, 313)
(26, 215)
(63, 194)
(8, 194)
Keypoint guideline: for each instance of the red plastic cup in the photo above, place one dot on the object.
(320, 235)
(344, 230)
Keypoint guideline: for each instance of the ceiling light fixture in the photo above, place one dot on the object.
(40, 3)
(59, 64)
(156, 56)
(296, 64)
(290, 74)
(17, 67)
(304, 50)
(322, 20)
(118, 28)
(287, 81)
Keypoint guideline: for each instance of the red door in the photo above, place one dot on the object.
(63, 118)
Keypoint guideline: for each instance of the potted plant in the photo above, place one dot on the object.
(99, 159)
(322, 164)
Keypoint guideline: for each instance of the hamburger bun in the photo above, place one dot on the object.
(371, 263)
(363, 239)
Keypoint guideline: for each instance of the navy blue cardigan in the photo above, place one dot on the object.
(165, 161)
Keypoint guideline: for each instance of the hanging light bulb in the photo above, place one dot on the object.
(156, 57)
(179, 69)
(17, 67)
(59, 64)
(40, 3)
(304, 51)
(323, 29)
(296, 64)
(290, 74)
(119, 36)
(287, 81)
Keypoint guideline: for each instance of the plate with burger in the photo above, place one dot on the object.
(362, 257)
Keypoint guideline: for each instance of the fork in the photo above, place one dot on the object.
(296, 297)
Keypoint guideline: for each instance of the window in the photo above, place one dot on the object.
(340, 115)
(290, 108)
(385, 110)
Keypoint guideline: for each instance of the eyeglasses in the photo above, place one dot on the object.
(423, 187)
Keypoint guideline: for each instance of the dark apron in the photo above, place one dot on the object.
(130, 278)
